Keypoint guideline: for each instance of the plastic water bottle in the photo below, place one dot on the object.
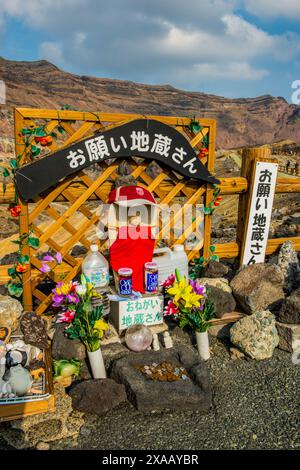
(95, 267)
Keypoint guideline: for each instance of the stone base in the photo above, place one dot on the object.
(148, 395)
(289, 336)
(220, 331)
(47, 427)
(97, 396)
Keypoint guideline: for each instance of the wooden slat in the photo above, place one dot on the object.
(231, 249)
(23, 225)
(79, 133)
(199, 137)
(209, 192)
(53, 227)
(43, 203)
(229, 186)
(106, 117)
(179, 213)
(227, 318)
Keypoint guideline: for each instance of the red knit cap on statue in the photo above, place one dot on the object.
(131, 196)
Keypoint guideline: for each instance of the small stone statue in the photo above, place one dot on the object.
(168, 342)
(155, 343)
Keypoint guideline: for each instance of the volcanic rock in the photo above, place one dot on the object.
(97, 396)
(258, 287)
(256, 335)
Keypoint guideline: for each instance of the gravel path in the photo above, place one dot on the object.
(255, 406)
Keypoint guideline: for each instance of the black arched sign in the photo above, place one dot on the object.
(145, 138)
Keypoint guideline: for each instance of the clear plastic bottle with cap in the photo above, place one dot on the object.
(95, 267)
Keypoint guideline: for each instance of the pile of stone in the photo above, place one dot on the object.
(269, 295)
(288, 316)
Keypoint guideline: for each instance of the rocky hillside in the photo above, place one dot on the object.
(241, 122)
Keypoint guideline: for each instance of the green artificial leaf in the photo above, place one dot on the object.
(11, 271)
(34, 150)
(39, 132)
(207, 210)
(195, 127)
(33, 242)
(13, 163)
(215, 258)
(202, 259)
(72, 332)
(23, 259)
(15, 289)
(5, 172)
(212, 248)
(26, 131)
(60, 129)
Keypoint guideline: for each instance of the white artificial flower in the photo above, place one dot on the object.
(81, 290)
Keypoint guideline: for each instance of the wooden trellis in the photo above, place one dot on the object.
(68, 205)
(66, 229)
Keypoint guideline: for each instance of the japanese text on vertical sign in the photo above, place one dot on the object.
(260, 212)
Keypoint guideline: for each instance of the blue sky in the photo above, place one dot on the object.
(233, 48)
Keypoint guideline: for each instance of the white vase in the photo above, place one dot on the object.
(97, 364)
(203, 345)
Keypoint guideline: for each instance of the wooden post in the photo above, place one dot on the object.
(209, 191)
(250, 156)
(24, 225)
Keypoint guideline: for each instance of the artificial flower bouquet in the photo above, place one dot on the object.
(85, 321)
(187, 302)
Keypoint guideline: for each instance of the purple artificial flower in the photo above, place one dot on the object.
(72, 298)
(58, 300)
(198, 288)
(48, 257)
(58, 257)
(45, 268)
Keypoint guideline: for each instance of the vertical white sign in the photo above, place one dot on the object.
(260, 212)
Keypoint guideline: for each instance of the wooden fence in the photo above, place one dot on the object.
(63, 217)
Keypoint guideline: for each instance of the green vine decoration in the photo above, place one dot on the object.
(198, 270)
(216, 201)
(35, 139)
(14, 285)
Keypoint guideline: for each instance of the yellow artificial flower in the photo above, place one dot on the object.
(100, 326)
(94, 293)
(192, 299)
(64, 289)
(180, 289)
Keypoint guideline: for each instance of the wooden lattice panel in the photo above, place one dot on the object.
(69, 213)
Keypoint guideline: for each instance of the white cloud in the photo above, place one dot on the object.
(230, 70)
(162, 41)
(239, 29)
(274, 8)
(51, 51)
